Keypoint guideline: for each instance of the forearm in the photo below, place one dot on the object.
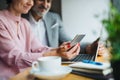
(52, 52)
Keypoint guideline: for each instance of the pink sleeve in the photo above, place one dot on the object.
(12, 55)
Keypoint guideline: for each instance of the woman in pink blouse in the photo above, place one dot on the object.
(18, 47)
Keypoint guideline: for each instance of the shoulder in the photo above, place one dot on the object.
(3, 18)
(2, 14)
(52, 15)
(25, 21)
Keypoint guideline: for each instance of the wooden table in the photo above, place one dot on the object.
(26, 76)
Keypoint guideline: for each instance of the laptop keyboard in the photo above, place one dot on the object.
(81, 57)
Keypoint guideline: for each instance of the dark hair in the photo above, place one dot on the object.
(9, 1)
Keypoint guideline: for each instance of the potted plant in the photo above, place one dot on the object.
(112, 25)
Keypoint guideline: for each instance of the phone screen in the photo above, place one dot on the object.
(77, 39)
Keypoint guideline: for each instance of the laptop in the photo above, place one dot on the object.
(91, 57)
(81, 57)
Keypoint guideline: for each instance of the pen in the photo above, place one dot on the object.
(91, 62)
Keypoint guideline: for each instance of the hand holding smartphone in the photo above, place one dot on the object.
(77, 39)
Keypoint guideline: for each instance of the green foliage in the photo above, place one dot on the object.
(112, 25)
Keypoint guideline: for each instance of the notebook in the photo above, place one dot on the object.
(94, 75)
(81, 57)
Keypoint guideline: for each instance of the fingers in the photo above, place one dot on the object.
(73, 49)
(77, 51)
(73, 52)
(65, 46)
(65, 43)
(102, 49)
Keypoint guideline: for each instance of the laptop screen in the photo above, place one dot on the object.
(95, 47)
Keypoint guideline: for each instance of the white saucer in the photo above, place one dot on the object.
(62, 72)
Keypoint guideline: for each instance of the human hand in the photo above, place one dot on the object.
(102, 49)
(66, 51)
(92, 48)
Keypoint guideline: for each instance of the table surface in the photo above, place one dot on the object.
(26, 76)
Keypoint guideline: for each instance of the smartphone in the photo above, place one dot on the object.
(77, 39)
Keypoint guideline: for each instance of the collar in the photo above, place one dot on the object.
(32, 20)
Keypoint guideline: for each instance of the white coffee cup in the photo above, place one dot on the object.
(47, 64)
